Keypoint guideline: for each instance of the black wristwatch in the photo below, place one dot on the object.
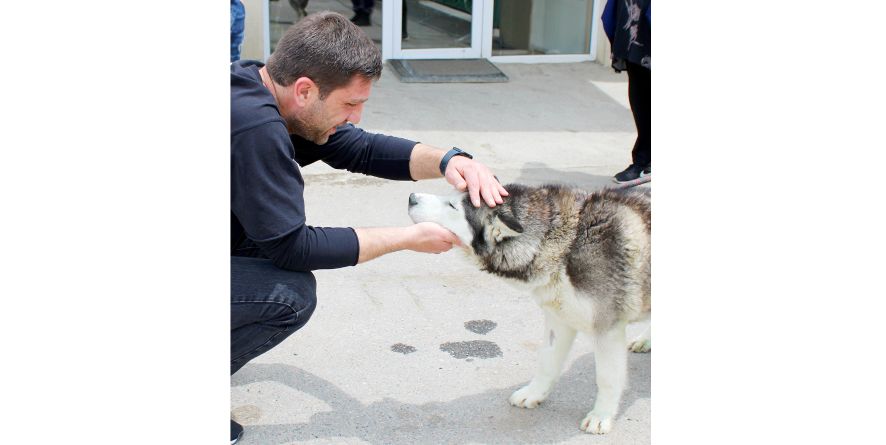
(455, 151)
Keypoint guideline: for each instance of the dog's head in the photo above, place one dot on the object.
(480, 228)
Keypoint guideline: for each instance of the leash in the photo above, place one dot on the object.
(632, 183)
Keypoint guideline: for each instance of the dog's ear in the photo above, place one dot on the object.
(505, 226)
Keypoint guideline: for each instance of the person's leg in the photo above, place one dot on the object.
(362, 12)
(639, 94)
(267, 305)
(403, 34)
(359, 7)
(238, 16)
(639, 89)
(299, 7)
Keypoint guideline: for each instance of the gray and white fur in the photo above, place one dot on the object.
(583, 257)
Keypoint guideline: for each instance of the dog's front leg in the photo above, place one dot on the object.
(611, 360)
(557, 342)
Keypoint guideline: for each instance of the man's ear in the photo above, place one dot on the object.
(505, 226)
(303, 89)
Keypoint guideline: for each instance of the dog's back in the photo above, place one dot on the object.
(609, 259)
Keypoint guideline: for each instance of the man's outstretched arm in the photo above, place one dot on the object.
(424, 237)
(392, 157)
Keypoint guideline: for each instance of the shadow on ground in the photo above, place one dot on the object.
(478, 418)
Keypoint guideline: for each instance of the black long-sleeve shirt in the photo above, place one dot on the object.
(267, 204)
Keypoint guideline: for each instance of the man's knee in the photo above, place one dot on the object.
(302, 300)
(259, 281)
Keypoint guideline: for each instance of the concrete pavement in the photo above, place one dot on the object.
(425, 349)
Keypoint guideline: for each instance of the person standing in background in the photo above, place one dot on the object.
(627, 24)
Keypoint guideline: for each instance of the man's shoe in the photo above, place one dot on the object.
(236, 432)
(629, 174)
(361, 19)
(646, 171)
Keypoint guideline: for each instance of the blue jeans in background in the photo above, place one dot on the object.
(268, 304)
(238, 16)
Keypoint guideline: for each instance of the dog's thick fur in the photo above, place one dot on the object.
(584, 258)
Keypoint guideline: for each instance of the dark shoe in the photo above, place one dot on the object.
(629, 174)
(361, 19)
(236, 432)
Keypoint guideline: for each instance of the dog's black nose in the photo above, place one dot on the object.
(413, 200)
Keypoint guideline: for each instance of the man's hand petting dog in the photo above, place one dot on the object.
(430, 237)
(468, 175)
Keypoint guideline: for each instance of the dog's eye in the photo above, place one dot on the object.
(450, 205)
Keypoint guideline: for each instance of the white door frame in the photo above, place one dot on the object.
(391, 28)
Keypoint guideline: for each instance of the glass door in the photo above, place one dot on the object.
(436, 29)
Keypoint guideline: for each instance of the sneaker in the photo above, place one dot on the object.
(629, 174)
(633, 172)
(361, 19)
(236, 432)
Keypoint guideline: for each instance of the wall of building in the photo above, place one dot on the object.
(604, 50)
(256, 23)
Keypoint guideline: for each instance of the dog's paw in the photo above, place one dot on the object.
(595, 423)
(527, 397)
(640, 345)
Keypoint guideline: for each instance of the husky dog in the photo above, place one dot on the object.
(584, 258)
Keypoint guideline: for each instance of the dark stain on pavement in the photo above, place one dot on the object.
(480, 326)
(403, 349)
(473, 348)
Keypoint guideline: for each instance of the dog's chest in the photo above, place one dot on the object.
(559, 296)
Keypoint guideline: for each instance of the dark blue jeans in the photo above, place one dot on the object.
(268, 304)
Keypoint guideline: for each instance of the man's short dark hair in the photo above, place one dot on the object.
(326, 48)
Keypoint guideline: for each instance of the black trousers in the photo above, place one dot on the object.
(268, 304)
(363, 6)
(640, 96)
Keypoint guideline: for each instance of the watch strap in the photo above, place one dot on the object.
(454, 151)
